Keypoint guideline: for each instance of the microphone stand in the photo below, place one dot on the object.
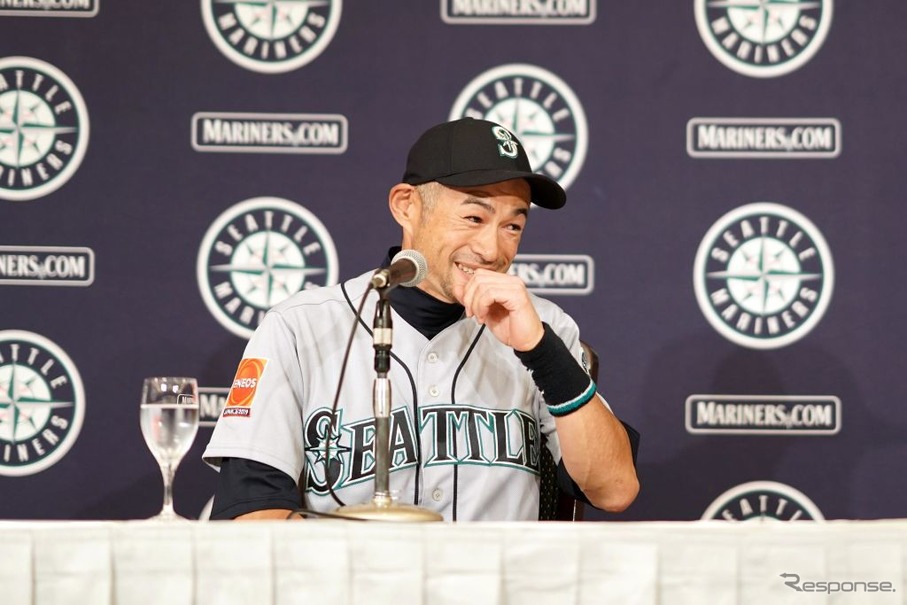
(382, 506)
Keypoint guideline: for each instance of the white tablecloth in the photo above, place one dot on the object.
(347, 562)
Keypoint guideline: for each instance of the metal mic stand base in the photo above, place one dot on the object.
(383, 508)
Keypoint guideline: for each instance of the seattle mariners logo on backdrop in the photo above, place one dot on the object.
(539, 108)
(271, 36)
(763, 276)
(258, 253)
(763, 501)
(42, 403)
(763, 38)
(43, 128)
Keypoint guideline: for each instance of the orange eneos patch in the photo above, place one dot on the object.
(245, 383)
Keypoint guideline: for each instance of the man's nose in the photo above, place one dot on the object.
(486, 244)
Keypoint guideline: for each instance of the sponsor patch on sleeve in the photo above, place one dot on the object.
(245, 383)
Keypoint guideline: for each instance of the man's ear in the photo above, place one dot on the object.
(405, 205)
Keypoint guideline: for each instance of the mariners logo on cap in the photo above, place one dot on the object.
(258, 253)
(43, 128)
(42, 403)
(507, 145)
(271, 36)
(763, 501)
(763, 38)
(539, 108)
(763, 276)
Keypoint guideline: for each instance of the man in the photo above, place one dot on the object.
(482, 368)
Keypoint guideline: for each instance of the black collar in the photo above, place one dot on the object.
(422, 311)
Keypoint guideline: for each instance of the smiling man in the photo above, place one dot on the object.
(484, 373)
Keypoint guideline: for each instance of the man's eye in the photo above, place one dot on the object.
(474, 219)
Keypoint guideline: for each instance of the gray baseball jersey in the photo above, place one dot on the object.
(466, 421)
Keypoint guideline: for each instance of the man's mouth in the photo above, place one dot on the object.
(465, 269)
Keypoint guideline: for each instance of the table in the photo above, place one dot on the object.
(346, 562)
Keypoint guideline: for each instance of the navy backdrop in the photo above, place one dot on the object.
(732, 245)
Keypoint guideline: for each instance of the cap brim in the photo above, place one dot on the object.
(545, 192)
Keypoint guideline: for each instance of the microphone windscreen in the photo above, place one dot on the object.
(418, 260)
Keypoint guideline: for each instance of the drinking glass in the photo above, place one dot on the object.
(169, 420)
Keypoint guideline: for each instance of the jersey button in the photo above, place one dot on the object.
(437, 495)
(432, 357)
(434, 391)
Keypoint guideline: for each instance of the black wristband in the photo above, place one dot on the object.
(562, 381)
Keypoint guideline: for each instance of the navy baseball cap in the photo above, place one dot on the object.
(469, 152)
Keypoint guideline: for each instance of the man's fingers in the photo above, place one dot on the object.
(492, 293)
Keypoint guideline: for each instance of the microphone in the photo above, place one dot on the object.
(407, 269)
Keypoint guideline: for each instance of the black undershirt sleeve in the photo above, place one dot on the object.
(245, 486)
